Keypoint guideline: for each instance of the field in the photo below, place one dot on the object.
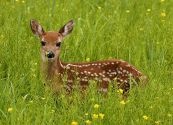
(137, 31)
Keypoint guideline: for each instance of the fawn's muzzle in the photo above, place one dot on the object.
(50, 54)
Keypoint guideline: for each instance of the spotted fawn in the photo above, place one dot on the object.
(104, 72)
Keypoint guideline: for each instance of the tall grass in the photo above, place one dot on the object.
(138, 31)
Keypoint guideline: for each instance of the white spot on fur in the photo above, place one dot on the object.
(106, 79)
(114, 73)
(72, 70)
(95, 74)
(110, 75)
(128, 65)
(70, 81)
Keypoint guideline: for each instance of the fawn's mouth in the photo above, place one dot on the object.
(50, 59)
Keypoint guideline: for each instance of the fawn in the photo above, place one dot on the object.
(103, 72)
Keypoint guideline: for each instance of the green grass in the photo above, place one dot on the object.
(136, 31)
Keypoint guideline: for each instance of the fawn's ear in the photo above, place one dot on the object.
(67, 28)
(36, 28)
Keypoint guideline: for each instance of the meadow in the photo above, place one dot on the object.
(137, 31)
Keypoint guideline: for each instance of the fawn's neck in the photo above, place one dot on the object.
(52, 68)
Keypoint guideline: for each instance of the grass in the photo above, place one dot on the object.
(140, 32)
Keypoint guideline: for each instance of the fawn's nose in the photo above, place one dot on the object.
(50, 54)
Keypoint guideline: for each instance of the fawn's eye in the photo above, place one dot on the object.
(43, 43)
(58, 44)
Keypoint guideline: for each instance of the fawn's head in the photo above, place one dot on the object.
(51, 41)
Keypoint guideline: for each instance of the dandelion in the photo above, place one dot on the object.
(127, 11)
(86, 114)
(99, 8)
(10, 109)
(52, 111)
(157, 97)
(88, 122)
(151, 107)
(34, 75)
(101, 115)
(120, 91)
(163, 14)
(96, 106)
(169, 115)
(148, 10)
(95, 116)
(122, 102)
(145, 117)
(157, 122)
(23, 1)
(17, 0)
(74, 123)
(43, 98)
(87, 59)
(141, 29)
(162, 1)
(2, 36)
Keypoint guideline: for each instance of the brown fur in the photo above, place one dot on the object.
(104, 72)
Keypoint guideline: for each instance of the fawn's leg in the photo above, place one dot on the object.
(103, 87)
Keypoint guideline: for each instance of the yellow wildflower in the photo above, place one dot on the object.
(169, 115)
(43, 98)
(88, 122)
(127, 11)
(145, 117)
(157, 122)
(52, 111)
(95, 116)
(151, 107)
(88, 59)
(148, 10)
(120, 91)
(2, 36)
(141, 29)
(101, 115)
(23, 1)
(10, 109)
(74, 123)
(162, 1)
(86, 114)
(96, 106)
(163, 14)
(122, 102)
(99, 8)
